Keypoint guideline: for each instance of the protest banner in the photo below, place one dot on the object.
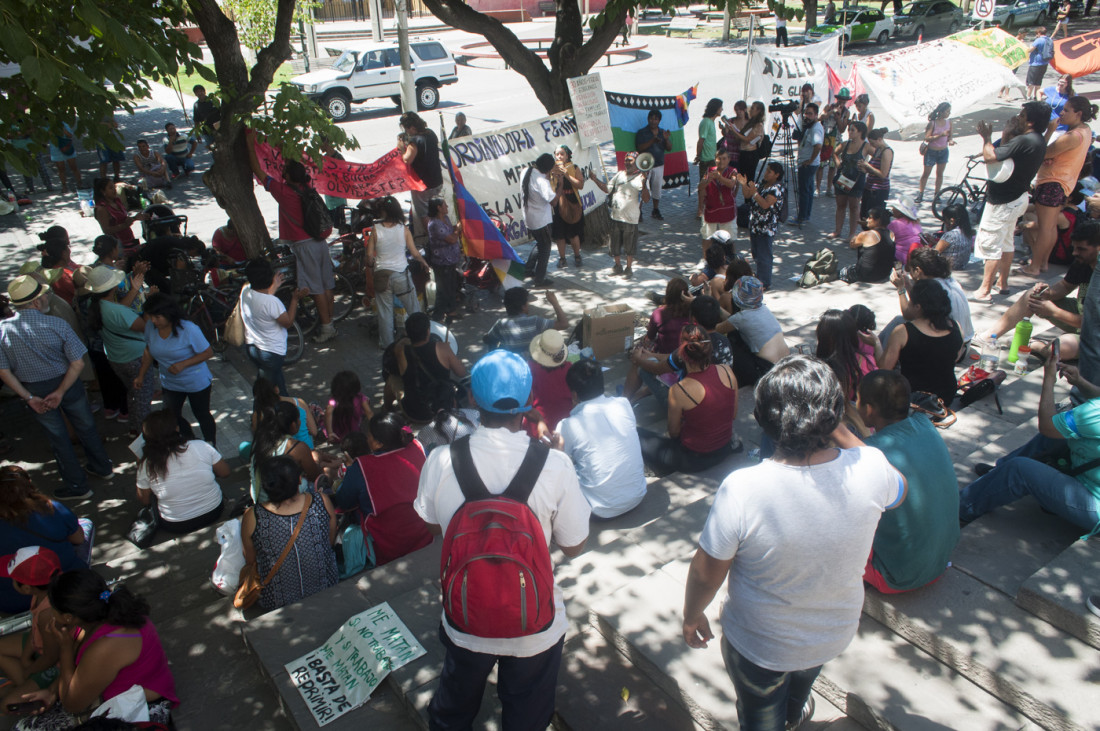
(630, 113)
(1077, 55)
(994, 44)
(590, 109)
(388, 175)
(491, 165)
(910, 82)
(775, 73)
(340, 675)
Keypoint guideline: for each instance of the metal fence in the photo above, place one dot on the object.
(360, 10)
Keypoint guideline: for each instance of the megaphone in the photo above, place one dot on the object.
(645, 162)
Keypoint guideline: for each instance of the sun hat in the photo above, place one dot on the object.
(498, 376)
(34, 266)
(749, 294)
(548, 349)
(24, 289)
(844, 93)
(904, 205)
(98, 280)
(30, 565)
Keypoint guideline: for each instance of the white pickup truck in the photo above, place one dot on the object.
(371, 70)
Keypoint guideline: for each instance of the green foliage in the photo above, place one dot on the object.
(295, 125)
(614, 7)
(255, 19)
(80, 61)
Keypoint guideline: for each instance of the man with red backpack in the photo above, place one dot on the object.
(499, 498)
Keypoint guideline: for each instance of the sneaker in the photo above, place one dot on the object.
(326, 334)
(110, 413)
(577, 259)
(544, 282)
(561, 262)
(72, 493)
(101, 475)
(657, 215)
(982, 468)
(617, 269)
(1093, 603)
(629, 272)
(807, 714)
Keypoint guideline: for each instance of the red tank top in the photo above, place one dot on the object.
(150, 670)
(709, 425)
(393, 524)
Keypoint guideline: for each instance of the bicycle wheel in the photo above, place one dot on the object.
(343, 298)
(954, 195)
(306, 316)
(198, 312)
(295, 344)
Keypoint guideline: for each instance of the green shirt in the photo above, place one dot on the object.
(1081, 428)
(120, 343)
(708, 133)
(914, 541)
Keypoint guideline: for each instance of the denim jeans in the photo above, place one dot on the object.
(807, 177)
(1018, 475)
(400, 288)
(762, 257)
(539, 257)
(74, 404)
(767, 700)
(175, 162)
(525, 685)
(269, 365)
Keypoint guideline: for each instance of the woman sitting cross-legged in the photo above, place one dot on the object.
(874, 250)
(701, 410)
(927, 346)
(181, 474)
(274, 437)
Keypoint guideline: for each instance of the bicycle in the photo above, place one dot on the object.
(343, 294)
(969, 192)
(209, 307)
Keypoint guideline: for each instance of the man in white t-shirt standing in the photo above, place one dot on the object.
(811, 136)
(793, 534)
(528, 673)
(538, 213)
(628, 191)
(266, 320)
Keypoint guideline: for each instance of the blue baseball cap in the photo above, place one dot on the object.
(498, 376)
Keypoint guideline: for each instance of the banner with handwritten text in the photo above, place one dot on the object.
(388, 175)
(340, 675)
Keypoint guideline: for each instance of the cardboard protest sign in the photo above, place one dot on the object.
(1077, 55)
(388, 175)
(340, 675)
(775, 73)
(994, 44)
(590, 109)
(492, 164)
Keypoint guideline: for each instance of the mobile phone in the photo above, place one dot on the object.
(26, 707)
(898, 266)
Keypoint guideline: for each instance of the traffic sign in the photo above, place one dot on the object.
(983, 9)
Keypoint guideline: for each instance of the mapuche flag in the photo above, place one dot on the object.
(630, 112)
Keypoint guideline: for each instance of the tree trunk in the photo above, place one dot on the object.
(230, 177)
(811, 13)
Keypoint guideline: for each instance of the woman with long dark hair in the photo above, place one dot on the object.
(266, 396)
(112, 216)
(181, 474)
(957, 240)
(445, 254)
(539, 197)
(937, 137)
(749, 137)
(181, 352)
(850, 179)
(877, 168)
(874, 250)
(274, 437)
(838, 345)
(929, 344)
(663, 331)
(389, 246)
(108, 645)
(567, 180)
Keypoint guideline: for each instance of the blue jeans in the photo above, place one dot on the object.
(399, 287)
(74, 404)
(762, 257)
(175, 162)
(807, 177)
(1017, 476)
(767, 700)
(269, 365)
(525, 686)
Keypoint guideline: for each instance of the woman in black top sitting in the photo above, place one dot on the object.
(874, 250)
(929, 344)
(425, 364)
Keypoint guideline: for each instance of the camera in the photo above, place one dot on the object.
(790, 106)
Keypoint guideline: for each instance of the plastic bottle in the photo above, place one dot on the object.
(1021, 363)
(1022, 336)
(991, 357)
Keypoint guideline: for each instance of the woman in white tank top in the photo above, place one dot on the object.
(387, 246)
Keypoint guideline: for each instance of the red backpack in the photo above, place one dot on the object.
(495, 569)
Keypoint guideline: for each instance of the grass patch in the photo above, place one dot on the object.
(188, 81)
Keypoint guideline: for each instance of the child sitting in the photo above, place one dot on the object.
(347, 409)
(28, 661)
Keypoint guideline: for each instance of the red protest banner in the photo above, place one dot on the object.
(355, 180)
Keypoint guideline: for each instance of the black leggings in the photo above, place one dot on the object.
(665, 455)
(111, 387)
(200, 407)
(191, 524)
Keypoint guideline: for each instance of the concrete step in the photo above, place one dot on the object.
(1057, 592)
(976, 630)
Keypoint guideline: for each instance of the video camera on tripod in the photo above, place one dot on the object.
(784, 107)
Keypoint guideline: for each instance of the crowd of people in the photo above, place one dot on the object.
(848, 474)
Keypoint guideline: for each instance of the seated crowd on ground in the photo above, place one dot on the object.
(354, 483)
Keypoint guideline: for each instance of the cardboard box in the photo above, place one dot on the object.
(608, 329)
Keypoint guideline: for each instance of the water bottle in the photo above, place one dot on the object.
(1022, 336)
(991, 357)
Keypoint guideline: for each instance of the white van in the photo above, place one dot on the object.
(371, 70)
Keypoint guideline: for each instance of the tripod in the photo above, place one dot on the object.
(785, 148)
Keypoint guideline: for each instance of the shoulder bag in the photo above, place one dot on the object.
(234, 326)
(248, 592)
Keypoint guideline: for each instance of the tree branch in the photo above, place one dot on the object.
(600, 40)
(270, 58)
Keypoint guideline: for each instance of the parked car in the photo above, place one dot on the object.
(371, 70)
(856, 24)
(928, 18)
(1011, 13)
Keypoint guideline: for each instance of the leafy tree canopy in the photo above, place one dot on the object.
(255, 19)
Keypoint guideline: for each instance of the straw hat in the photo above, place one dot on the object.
(548, 349)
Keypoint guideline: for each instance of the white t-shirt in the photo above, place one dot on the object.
(626, 197)
(601, 437)
(189, 489)
(799, 538)
(960, 307)
(259, 313)
(390, 248)
(814, 135)
(556, 501)
(538, 213)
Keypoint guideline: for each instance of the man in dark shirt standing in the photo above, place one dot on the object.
(205, 114)
(656, 142)
(421, 153)
(1007, 201)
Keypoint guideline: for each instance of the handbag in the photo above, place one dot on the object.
(923, 148)
(234, 326)
(145, 525)
(932, 405)
(569, 208)
(250, 586)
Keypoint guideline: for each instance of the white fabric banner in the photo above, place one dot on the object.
(491, 165)
(781, 73)
(910, 82)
